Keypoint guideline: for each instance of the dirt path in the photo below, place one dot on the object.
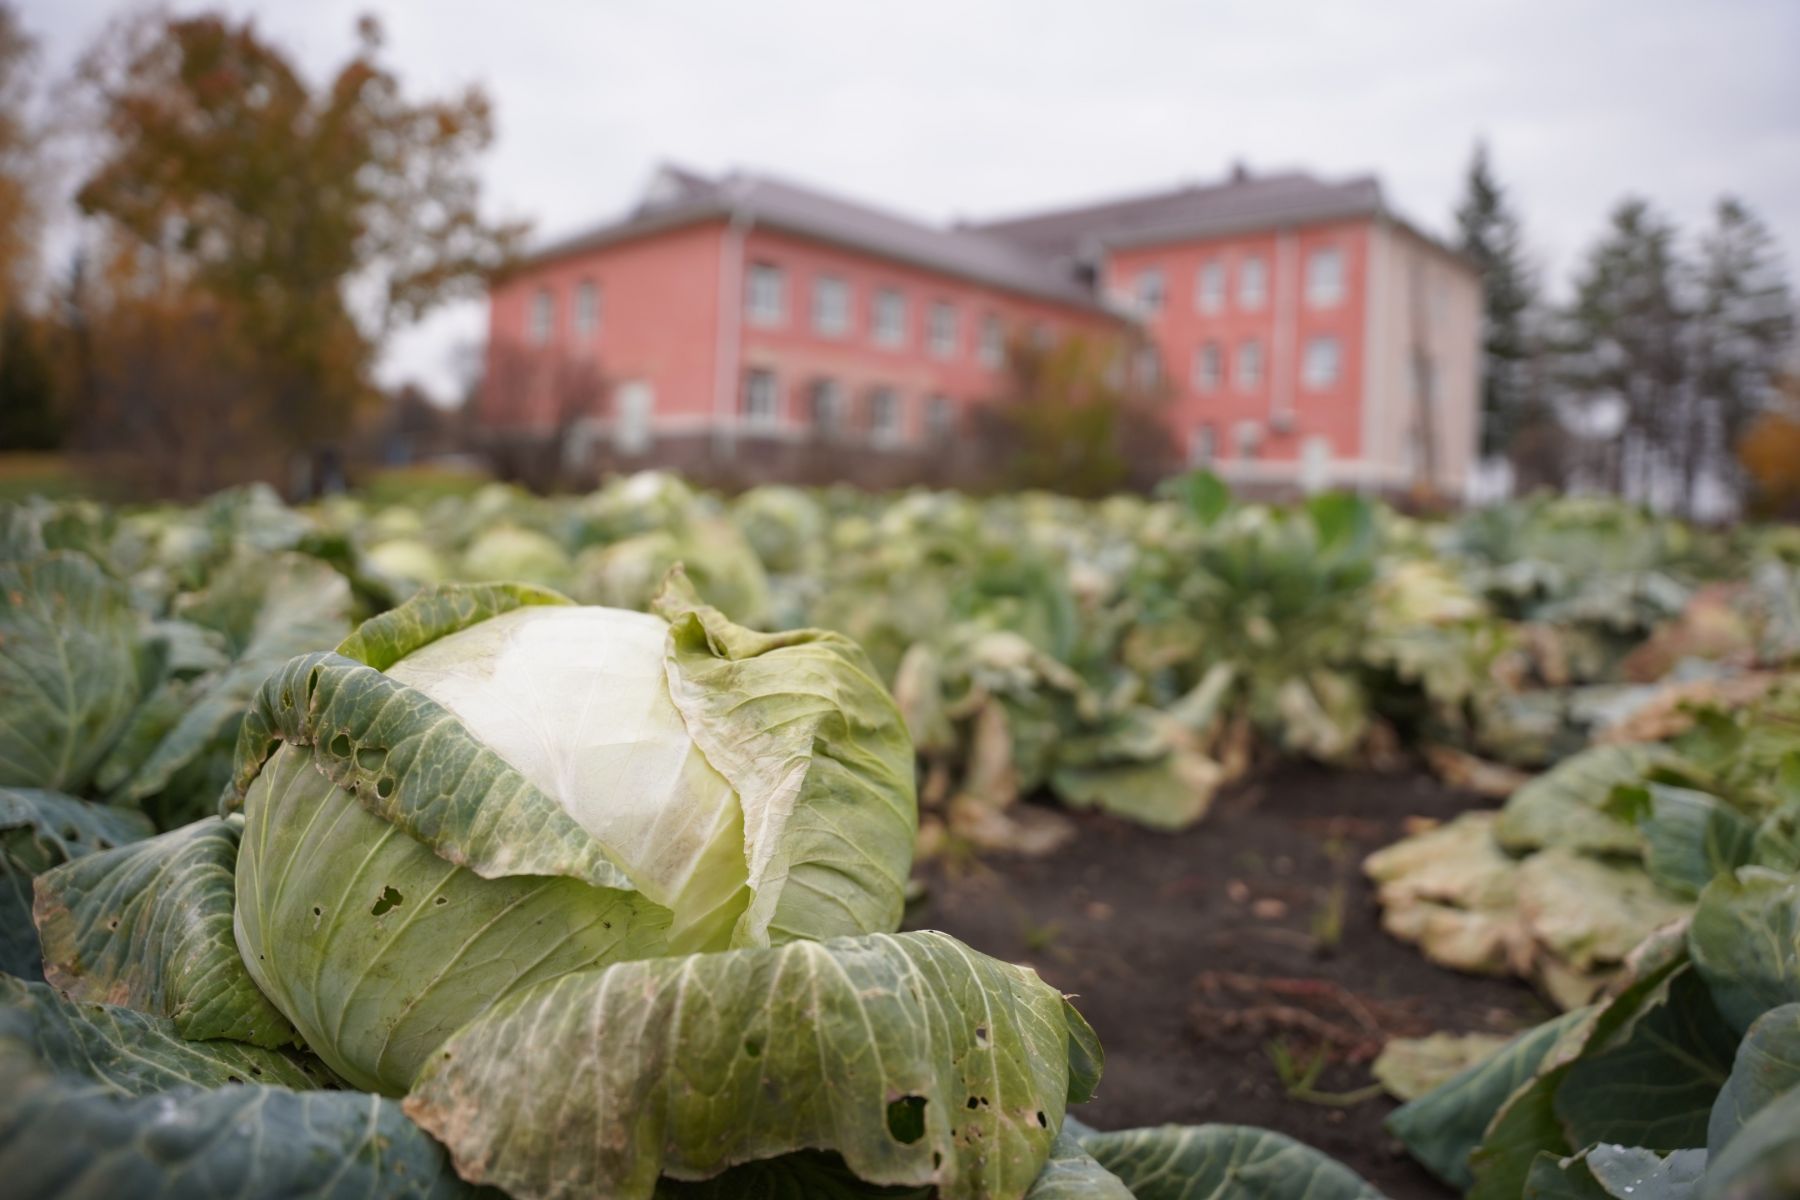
(1196, 956)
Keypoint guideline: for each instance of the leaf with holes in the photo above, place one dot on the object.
(40, 830)
(918, 1060)
(149, 926)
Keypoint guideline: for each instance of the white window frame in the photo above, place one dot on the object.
(1325, 277)
(1209, 367)
(762, 398)
(587, 309)
(993, 342)
(888, 320)
(1253, 270)
(1249, 366)
(831, 306)
(1209, 286)
(1323, 349)
(941, 329)
(765, 294)
(540, 321)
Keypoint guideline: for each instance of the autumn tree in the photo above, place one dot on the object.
(1769, 451)
(1080, 415)
(20, 204)
(298, 225)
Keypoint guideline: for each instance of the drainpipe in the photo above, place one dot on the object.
(1284, 369)
(729, 348)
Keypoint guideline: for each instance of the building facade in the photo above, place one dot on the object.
(1303, 334)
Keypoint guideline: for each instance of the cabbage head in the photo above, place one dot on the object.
(491, 787)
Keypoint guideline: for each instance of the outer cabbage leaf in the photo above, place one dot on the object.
(1690, 837)
(377, 948)
(63, 1138)
(1442, 1127)
(129, 1053)
(1222, 1162)
(1763, 1159)
(148, 926)
(1527, 1123)
(1745, 940)
(1767, 1065)
(268, 611)
(1608, 1172)
(1654, 1087)
(40, 830)
(1071, 1173)
(918, 1060)
(819, 756)
(1567, 805)
(806, 1175)
(72, 670)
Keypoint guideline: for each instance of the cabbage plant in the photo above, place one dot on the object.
(578, 902)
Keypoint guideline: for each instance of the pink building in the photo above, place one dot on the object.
(1307, 336)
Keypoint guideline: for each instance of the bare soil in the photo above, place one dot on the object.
(1202, 957)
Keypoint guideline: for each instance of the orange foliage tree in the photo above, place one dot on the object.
(1770, 453)
(297, 225)
(1080, 415)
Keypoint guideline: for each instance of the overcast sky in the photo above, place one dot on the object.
(989, 107)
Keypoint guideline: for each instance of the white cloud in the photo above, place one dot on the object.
(944, 108)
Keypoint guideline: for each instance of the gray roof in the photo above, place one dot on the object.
(1241, 202)
(1038, 255)
(678, 197)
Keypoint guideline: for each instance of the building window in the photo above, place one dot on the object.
(766, 294)
(940, 418)
(1324, 278)
(884, 415)
(1249, 366)
(1319, 369)
(1209, 368)
(831, 306)
(943, 329)
(1150, 291)
(890, 317)
(1253, 284)
(762, 398)
(587, 309)
(1248, 436)
(993, 342)
(1202, 446)
(543, 316)
(826, 406)
(1042, 336)
(1146, 367)
(1209, 287)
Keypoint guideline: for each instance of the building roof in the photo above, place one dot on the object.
(1041, 254)
(677, 197)
(1242, 201)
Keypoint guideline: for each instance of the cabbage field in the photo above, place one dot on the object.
(496, 844)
